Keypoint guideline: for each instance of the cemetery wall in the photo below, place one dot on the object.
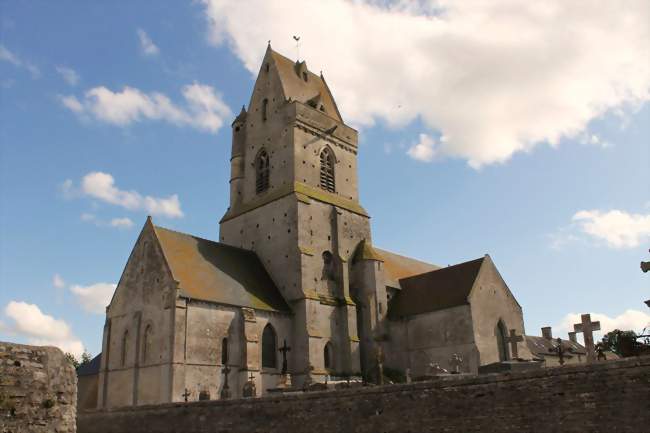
(604, 397)
(38, 390)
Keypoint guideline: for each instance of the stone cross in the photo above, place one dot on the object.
(186, 394)
(284, 349)
(455, 363)
(513, 339)
(225, 390)
(587, 327)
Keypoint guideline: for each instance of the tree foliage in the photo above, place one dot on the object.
(86, 357)
(622, 343)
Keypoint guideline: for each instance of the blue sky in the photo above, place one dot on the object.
(468, 144)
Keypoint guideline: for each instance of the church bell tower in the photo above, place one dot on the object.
(294, 201)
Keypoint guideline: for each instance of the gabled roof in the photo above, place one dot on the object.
(296, 88)
(540, 346)
(90, 368)
(397, 267)
(436, 290)
(215, 272)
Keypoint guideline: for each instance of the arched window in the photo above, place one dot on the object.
(147, 344)
(269, 347)
(328, 266)
(262, 171)
(327, 170)
(502, 346)
(125, 348)
(224, 351)
(328, 355)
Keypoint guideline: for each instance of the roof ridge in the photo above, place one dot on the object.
(207, 240)
(402, 255)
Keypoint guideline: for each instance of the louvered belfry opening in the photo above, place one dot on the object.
(327, 170)
(262, 172)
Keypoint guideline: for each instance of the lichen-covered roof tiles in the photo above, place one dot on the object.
(397, 267)
(215, 272)
(298, 89)
(436, 290)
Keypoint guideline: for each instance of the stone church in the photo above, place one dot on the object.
(294, 273)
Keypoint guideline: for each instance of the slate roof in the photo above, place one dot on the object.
(397, 267)
(540, 346)
(215, 272)
(296, 88)
(436, 290)
(91, 368)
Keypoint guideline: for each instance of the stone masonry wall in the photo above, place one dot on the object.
(38, 390)
(612, 396)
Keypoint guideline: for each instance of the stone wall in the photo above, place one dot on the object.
(605, 397)
(38, 390)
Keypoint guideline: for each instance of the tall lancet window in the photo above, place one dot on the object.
(262, 171)
(502, 334)
(327, 170)
(125, 348)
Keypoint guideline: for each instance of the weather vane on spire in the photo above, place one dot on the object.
(297, 39)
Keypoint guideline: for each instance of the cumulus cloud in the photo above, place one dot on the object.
(496, 77)
(146, 44)
(94, 298)
(633, 320)
(58, 282)
(41, 329)
(101, 186)
(122, 223)
(69, 75)
(204, 108)
(423, 150)
(8, 56)
(618, 229)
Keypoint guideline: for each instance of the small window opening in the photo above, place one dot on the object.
(265, 104)
(304, 76)
(224, 351)
(267, 67)
(147, 344)
(328, 355)
(327, 170)
(125, 348)
(262, 171)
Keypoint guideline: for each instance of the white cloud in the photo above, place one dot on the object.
(94, 298)
(496, 77)
(101, 186)
(617, 228)
(8, 56)
(204, 108)
(72, 103)
(146, 44)
(424, 150)
(58, 282)
(630, 320)
(122, 223)
(69, 75)
(41, 329)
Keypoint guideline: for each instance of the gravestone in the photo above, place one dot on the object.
(249, 387)
(456, 363)
(587, 327)
(225, 390)
(513, 339)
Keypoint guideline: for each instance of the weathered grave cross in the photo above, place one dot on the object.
(455, 363)
(186, 394)
(513, 339)
(587, 327)
(225, 391)
(284, 349)
(559, 350)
